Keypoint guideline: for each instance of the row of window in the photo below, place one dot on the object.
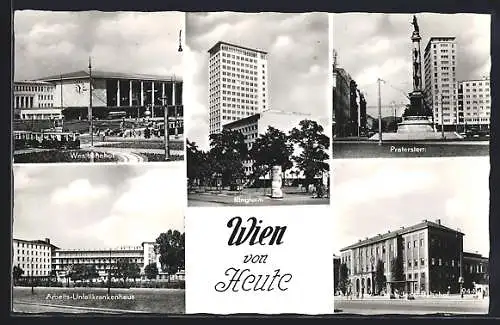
(33, 259)
(239, 64)
(235, 112)
(31, 251)
(234, 118)
(444, 51)
(38, 116)
(94, 260)
(241, 54)
(468, 90)
(242, 77)
(29, 266)
(253, 108)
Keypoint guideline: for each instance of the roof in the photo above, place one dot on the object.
(82, 74)
(435, 38)
(474, 255)
(242, 121)
(37, 241)
(257, 116)
(92, 250)
(235, 45)
(485, 78)
(33, 82)
(403, 230)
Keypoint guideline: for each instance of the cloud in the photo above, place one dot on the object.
(153, 202)
(48, 43)
(373, 196)
(113, 205)
(23, 180)
(386, 182)
(79, 192)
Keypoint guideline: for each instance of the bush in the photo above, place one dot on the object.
(161, 157)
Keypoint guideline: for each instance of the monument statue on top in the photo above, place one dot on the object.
(415, 25)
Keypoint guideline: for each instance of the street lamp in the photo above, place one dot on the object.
(166, 128)
(32, 278)
(180, 41)
(379, 114)
(109, 273)
(460, 278)
(90, 105)
(372, 259)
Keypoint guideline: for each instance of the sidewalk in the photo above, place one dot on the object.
(455, 297)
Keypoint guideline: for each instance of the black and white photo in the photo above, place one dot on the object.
(98, 239)
(94, 86)
(411, 236)
(259, 120)
(411, 85)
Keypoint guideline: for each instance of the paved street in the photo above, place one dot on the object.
(251, 199)
(402, 149)
(419, 306)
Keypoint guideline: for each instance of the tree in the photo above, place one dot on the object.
(380, 278)
(313, 158)
(17, 272)
(397, 271)
(133, 271)
(89, 272)
(122, 270)
(151, 271)
(77, 272)
(343, 278)
(272, 148)
(170, 246)
(228, 150)
(52, 275)
(195, 161)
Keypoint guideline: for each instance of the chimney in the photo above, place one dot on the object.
(438, 221)
(47, 240)
(425, 220)
(402, 227)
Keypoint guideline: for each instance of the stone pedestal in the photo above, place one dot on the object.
(416, 104)
(415, 119)
(276, 183)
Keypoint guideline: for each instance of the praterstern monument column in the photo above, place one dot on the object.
(416, 96)
(415, 119)
(276, 183)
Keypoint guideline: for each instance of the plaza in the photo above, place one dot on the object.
(442, 305)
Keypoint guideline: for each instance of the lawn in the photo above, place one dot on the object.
(171, 301)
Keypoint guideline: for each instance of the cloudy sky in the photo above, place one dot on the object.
(50, 43)
(373, 196)
(298, 61)
(378, 45)
(80, 206)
